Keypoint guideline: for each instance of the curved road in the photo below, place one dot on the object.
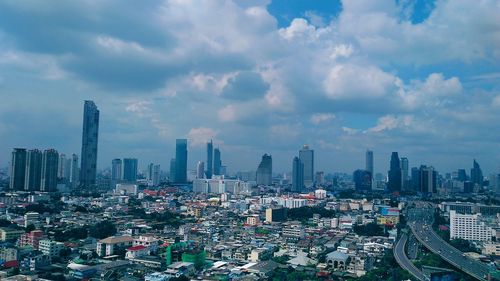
(403, 261)
(421, 227)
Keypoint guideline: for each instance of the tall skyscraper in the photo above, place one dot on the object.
(200, 170)
(50, 165)
(405, 180)
(61, 169)
(173, 163)
(297, 175)
(306, 156)
(428, 180)
(75, 171)
(116, 170)
(130, 169)
(33, 178)
(18, 169)
(210, 161)
(462, 175)
(181, 155)
(395, 176)
(156, 175)
(415, 179)
(369, 162)
(265, 170)
(476, 175)
(149, 173)
(217, 162)
(88, 167)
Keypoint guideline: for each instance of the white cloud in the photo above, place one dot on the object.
(321, 117)
(390, 122)
(198, 137)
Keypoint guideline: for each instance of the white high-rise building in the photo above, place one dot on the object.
(469, 227)
(200, 170)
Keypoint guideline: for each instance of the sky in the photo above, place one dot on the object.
(256, 76)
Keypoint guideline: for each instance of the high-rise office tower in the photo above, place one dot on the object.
(67, 170)
(116, 170)
(18, 169)
(476, 175)
(200, 169)
(405, 180)
(306, 156)
(217, 162)
(149, 173)
(50, 164)
(61, 166)
(369, 162)
(172, 170)
(415, 179)
(462, 175)
(264, 174)
(90, 133)
(130, 169)
(395, 176)
(33, 178)
(181, 155)
(156, 175)
(297, 175)
(75, 171)
(210, 161)
(428, 180)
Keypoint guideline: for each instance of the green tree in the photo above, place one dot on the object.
(102, 230)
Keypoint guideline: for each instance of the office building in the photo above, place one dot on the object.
(476, 175)
(33, 178)
(61, 168)
(394, 184)
(210, 162)
(306, 156)
(217, 162)
(116, 170)
(18, 169)
(181, 155)
(369, 162)
(276, 214)
(320, 178)
(362, 180)
(469, 227)
(264, 174)
(462, 175)
(90, 133)
(156, 175)
(297, 175)
(172, 170)
(405, 177)
(50, 164)
(200, 170)
(75, 171)
(428, 180)
(149, 173)
(130, 169)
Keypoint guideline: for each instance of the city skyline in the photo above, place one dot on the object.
(296, 74)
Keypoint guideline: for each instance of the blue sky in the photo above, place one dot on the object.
(257, 76)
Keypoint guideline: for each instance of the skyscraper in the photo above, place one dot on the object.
(50, 164)
(116, 170)
(476, 175)
(149, 173)
(405, 180)
(172, 170)
(18, 169)
(428, 180)
(217, 162)
(88, 167)
(200, 169)
(130, 169)
(33, 178)
(156, 175)
(369, 162)
(265, 170)
(210, 162)
(297, 175)
(181, 155)
(75, 171)
(306, 156)
(395, 176)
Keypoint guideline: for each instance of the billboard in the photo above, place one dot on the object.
(388, 211)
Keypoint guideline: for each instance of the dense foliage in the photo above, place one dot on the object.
(370, 229)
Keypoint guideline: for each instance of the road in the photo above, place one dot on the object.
(403, 261)
(420, 221)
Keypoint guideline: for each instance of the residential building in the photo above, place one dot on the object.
(108, 246)
(469, 227)
(18, 169)
(130, 167)
(306, 156)
(50, 248)
(297, 175)
(33, 178)
(50, 163)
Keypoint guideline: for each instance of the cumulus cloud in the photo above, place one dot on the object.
(321, 117)
(198, 137)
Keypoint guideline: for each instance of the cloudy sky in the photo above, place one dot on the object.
(257, 76)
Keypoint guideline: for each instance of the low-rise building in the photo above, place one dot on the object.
(10, 234)
(50, 248)
(108, 246)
